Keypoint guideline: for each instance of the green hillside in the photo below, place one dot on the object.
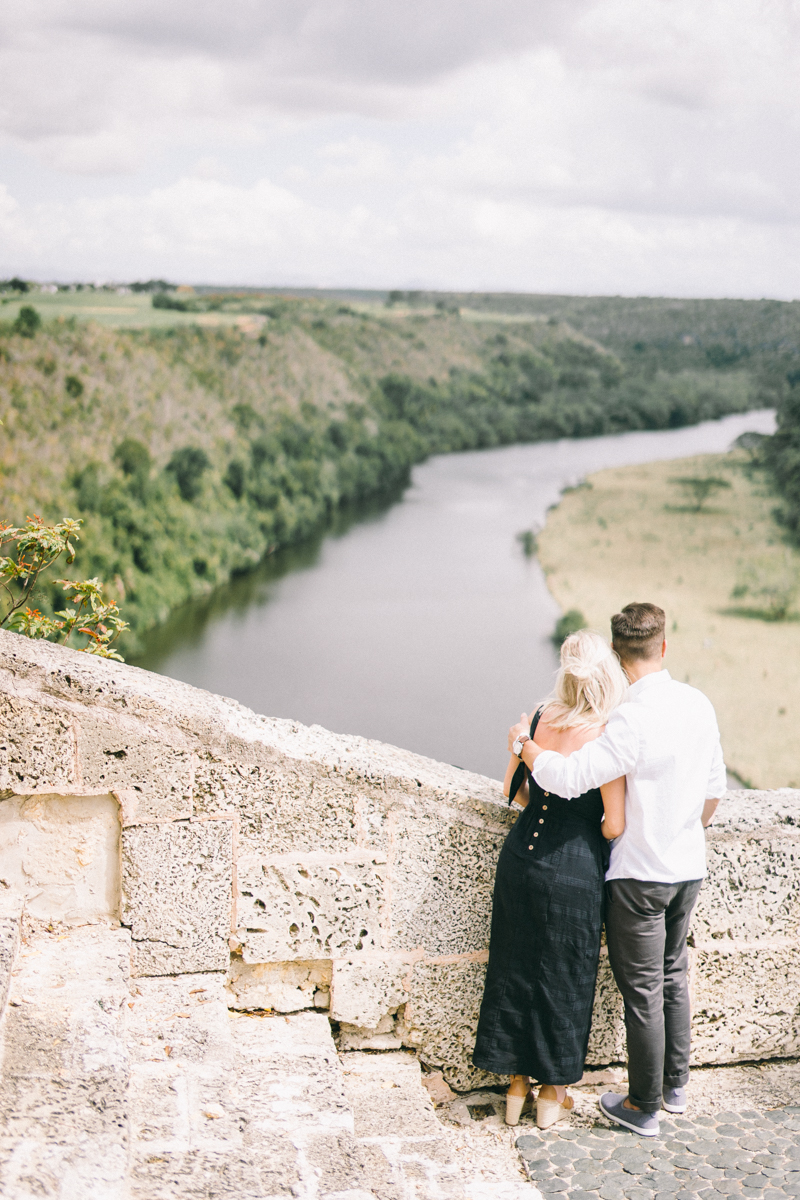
(193, 449)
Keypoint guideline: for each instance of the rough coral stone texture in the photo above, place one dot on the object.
(745, 1002)
(284, 805)
(607, 1037)
(115, 754)
(284, 987)
(753, 887)
(444, 862)
(365, 989)
(37, 747)
(176, 895)
(311, 908)
(441, 1017)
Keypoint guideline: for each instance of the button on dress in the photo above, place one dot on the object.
(544, 946)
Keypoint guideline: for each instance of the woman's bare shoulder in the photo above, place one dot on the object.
(565, 741)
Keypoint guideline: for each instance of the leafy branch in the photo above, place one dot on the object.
(38, 547)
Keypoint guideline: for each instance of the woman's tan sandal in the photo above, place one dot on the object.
(515, 1105)
(550, 1111)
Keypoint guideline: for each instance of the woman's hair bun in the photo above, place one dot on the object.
(590, 684)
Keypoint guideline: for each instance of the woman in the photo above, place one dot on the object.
(548, 896)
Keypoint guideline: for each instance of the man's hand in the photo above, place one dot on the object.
(709, 808)
(524, 726)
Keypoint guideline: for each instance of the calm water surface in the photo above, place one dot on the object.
(421, 624)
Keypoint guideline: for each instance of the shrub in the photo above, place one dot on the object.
(773, 583)
(73, 386)
(571, 622)
(28, 322)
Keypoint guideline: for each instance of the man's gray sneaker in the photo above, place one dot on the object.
(675, 1099)
(612, 1106)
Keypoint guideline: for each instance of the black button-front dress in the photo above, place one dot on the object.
(545, 939)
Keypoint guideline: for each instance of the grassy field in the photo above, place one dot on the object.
(115, 311)
(630, 535)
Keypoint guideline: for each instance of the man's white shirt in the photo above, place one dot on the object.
(664, 739)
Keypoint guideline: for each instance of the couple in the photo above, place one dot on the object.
(624, 756)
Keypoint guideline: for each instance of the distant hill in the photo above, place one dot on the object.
(232, 422)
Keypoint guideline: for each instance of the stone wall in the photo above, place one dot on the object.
(331, 872)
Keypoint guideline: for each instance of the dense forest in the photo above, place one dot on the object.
(192, 452)
(782, 457)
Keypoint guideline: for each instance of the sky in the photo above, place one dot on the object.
(620, 147)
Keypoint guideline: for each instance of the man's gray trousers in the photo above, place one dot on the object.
(646, 928)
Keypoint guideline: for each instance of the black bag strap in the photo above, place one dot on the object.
(522, 773)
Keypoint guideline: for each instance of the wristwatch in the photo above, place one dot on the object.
(518, 743)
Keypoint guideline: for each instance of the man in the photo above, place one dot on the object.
(664, 739)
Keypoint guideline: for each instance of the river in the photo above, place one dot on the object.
(422, 623)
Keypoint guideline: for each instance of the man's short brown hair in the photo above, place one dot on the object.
(638, 631)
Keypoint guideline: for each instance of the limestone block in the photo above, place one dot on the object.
(189, 1014)
(745, 1002)
(365, 988)
(311, 908)
(607, 1037)
(403, 1108)
(64, 1076)
(284, 806)
(441, 1017)
(37, 747)
(283, 987)
(443, 878)
(119, 755)
(183, 1107)
(176, 895)
(383, 1036)
(753, 885)
(62, 854)
(11, 904)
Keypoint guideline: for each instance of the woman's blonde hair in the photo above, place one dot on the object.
(589, 685)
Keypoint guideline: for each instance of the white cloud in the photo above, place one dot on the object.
(611, 145)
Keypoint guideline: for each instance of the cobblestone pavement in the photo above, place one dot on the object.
(738, 1153)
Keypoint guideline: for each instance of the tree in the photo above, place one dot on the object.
(73, 386)
(528, 541)
(132, 457)
(38, 547)
(235, 477)
(700, 487)
(188, 466)
(151, 285)
(28, 322)
(162, 300)
(571, 622)
(752, 442)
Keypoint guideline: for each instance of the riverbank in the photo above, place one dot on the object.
(629, 534)
(192, 452)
